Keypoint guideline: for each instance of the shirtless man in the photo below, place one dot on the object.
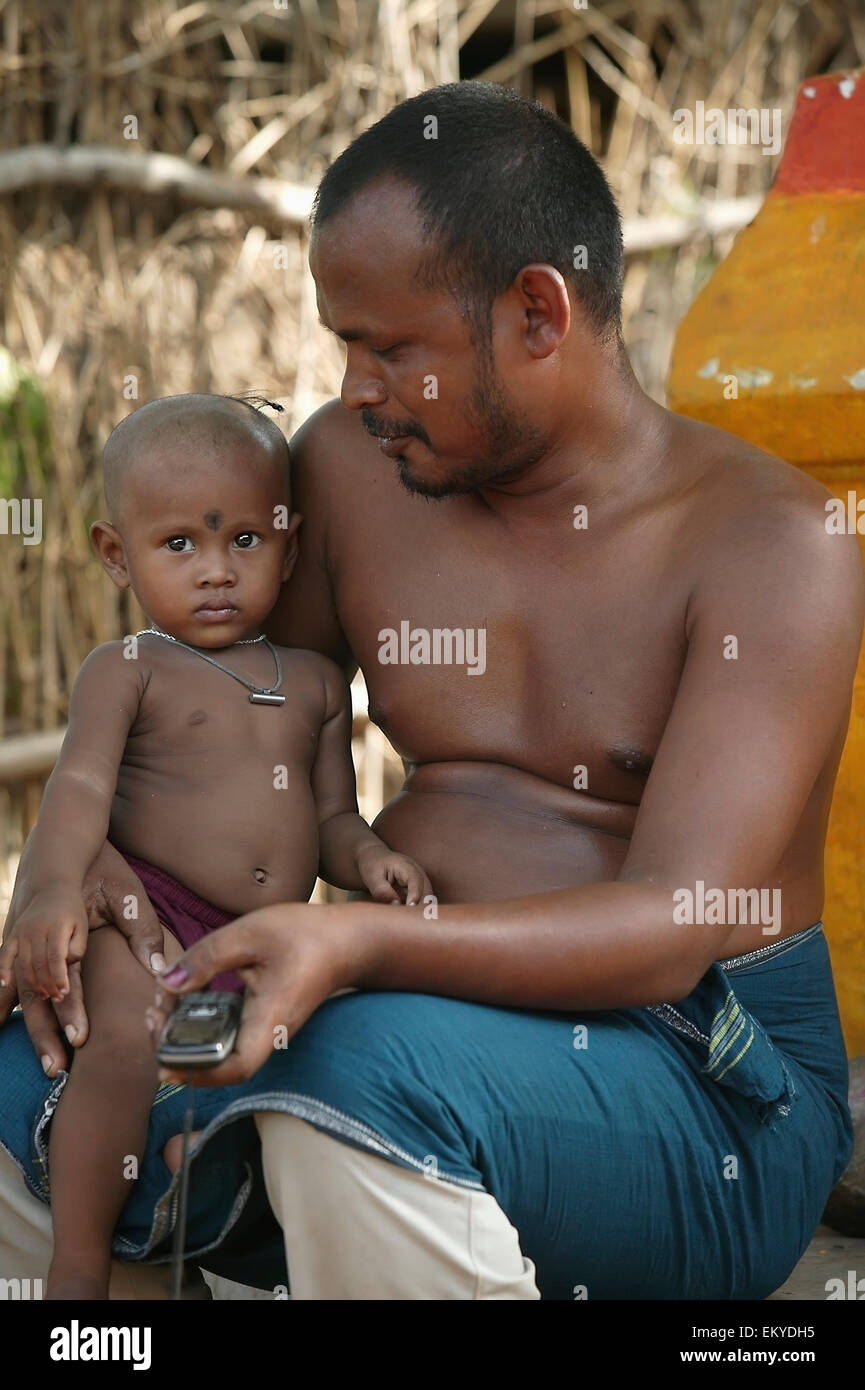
(689, 640)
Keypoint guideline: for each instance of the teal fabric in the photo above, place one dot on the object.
(680, 1152)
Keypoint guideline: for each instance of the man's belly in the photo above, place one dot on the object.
(486, 832)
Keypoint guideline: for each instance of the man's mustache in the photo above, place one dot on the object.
(392, 429)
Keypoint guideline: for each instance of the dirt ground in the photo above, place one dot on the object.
(829, 1256)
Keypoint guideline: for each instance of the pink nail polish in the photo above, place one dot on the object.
(176, 976)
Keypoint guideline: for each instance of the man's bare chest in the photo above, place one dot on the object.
(545, 658)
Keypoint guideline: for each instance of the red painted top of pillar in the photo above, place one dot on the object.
(825, 148)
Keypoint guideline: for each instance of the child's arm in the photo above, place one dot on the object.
(73, 820)
(350, 854)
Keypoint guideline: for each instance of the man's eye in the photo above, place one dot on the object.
(388, 351)
(177, 544)
(247, 540)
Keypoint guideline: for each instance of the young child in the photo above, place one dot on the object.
(219, 764)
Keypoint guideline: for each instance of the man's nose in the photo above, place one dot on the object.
(360, 385)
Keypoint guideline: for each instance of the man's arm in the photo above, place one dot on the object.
(305, 615)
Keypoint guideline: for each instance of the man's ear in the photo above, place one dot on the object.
(108, 544)
(291, 547)
(543, 300)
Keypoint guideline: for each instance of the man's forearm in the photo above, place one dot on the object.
(602, 946)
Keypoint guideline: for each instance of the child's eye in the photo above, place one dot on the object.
(178, 544)
(247, 540)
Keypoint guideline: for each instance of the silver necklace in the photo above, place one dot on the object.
(258, 694)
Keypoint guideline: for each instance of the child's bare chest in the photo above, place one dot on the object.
(190, 712)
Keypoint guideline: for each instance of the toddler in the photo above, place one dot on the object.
(218, 764)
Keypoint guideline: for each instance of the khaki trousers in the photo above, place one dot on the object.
(356, 1227)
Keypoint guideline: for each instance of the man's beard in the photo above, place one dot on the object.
(511, 444)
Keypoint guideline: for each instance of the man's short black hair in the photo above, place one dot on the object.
(500, 182)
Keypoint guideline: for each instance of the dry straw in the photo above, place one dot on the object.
(147, 277)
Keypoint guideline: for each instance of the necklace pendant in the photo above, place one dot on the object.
(258, 698)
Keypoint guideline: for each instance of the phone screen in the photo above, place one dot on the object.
(185, 1030)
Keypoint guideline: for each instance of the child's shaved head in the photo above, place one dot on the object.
(188, 427)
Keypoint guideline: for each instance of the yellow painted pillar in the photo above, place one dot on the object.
(782, 324)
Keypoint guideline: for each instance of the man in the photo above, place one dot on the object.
(615, 650)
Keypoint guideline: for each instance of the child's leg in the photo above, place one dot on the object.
(99, 1130)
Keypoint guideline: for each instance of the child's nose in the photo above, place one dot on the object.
(216, 569)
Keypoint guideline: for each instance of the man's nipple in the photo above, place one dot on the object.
(631, 760)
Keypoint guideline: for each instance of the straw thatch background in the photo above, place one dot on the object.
(122, 286)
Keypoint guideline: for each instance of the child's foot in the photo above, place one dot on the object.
(78, 1278)
(173, 1150)
(78, 1288)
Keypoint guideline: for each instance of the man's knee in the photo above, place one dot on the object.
(358, 1225)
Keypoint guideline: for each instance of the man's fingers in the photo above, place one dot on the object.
(8, 953)
(255, 1042)
(44, 1032)
(127, 907)
(77, 943)
(231, 948)
(8, 1000)
(71, 1013)
(146, 937)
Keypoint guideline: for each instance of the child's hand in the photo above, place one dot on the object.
(49, 934)
(392, 878)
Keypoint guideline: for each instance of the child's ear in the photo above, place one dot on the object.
(109, 546)
(291, 546)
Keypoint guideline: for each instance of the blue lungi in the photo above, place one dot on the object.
(683, 1151)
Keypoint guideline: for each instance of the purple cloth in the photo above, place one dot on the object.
(188, 917)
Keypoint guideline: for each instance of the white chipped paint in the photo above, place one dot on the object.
(809, 91)
(753, 376)
(804, 383)
(857, 380)
(817, 229)
(847, 87)
(711, 367)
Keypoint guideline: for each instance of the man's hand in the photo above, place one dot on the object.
(291, 956)
(392, 878)
(110, 890)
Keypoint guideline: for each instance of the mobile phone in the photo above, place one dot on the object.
(201, 1030)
